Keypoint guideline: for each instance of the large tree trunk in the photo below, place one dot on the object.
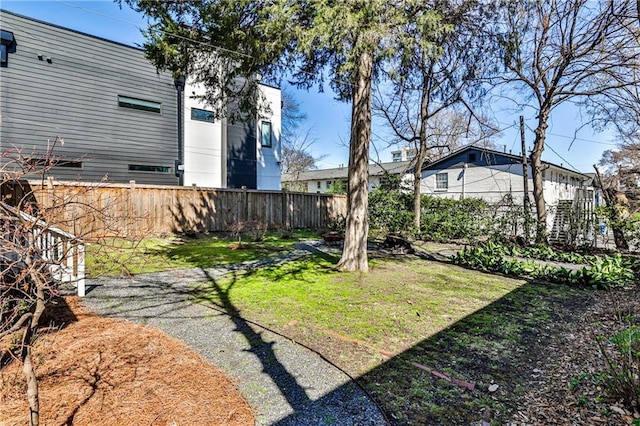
(538, 183)
(354, 254)
(417, 181)
(422, 152)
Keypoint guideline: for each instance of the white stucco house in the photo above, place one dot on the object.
(219, 153)
(494, 177)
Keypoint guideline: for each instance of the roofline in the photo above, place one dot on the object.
(138, 48)
(270, 86)
(71, 30)
(493, 151)
(346, 169)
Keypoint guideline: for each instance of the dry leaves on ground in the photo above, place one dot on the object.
(99, 371)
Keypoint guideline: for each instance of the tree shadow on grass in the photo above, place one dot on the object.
(261, 348)
(503, 344)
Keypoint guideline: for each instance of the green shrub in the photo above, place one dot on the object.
(391, 211)
(443, 219)
(601, 272)
(623, 362)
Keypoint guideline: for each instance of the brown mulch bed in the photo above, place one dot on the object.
(569, 385)
(99, 371)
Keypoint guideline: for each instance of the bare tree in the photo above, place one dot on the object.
(37, 251)
(620, 184)
(433, 90)
(579, 51)
(296, 142)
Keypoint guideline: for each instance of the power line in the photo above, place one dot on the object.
(581, 139)
(202, 43)
(547, 145)
(570, 137)
(154, 30)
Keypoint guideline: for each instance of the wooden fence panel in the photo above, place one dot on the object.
(94, 210)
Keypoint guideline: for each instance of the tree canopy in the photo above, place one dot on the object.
(226, 44)
(579, 51)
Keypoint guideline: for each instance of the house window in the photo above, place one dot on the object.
(4, 56)
(7, 45)
(43, 162)
(145, 168)
(265, 134)
(319, 185)
(442, 181)
(141, 104)
(69, 164)
(202, 115)
(328, 184)
(471, 158)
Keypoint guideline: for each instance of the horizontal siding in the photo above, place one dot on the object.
(75, 98)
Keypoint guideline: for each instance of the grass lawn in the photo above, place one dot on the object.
(383, 326)
(470, 326)
(123, 257)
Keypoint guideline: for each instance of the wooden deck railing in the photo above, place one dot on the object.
(62, 251)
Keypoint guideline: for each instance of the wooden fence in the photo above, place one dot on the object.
(94, 210)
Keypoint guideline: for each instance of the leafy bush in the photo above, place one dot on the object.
(391, 211)
(623, 362)
(602, 272)
(443, 219)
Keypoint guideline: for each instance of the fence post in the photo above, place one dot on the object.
(285, 207)
(80, 280)
(245, 204)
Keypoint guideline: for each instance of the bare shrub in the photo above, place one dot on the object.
(38, 253)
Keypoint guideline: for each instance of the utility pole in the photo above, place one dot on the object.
(525, 177)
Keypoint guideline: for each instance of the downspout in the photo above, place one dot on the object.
(464, 174)
(179, 83)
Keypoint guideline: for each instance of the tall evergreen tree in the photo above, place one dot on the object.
(344, 42)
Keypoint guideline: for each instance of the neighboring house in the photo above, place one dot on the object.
(118, 116)
(404, 154)
(321, 181)
(496, 177)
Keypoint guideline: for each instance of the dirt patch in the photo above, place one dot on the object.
(99, 371)
(572, 383)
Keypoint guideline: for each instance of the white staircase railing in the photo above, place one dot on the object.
(63, 251)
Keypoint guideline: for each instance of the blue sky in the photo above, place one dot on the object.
(328, 118)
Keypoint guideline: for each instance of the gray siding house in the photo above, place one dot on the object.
(115, 113)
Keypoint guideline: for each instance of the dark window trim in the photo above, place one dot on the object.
(446, 188)
(122, 103)
(262, 136)
(53, 162)
(7, 45)
(145, 168)
(203, 115)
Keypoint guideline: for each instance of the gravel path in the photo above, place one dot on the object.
(285, 383)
